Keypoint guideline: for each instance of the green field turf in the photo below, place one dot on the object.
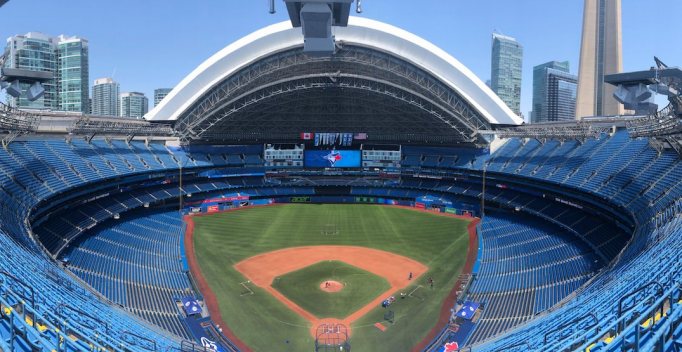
(303, 288)
(264, 323)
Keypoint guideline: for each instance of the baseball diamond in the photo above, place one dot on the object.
(240, 245)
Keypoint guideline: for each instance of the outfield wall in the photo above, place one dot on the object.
(427, 203)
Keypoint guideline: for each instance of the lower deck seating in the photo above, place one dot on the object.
(135, 261)
(527, 266)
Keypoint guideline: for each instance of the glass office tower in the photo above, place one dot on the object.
(507, 60)
(554, 92)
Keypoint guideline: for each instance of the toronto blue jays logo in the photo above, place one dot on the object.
(449, 347)
(333, 157)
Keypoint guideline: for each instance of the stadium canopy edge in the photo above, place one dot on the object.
(361, 31)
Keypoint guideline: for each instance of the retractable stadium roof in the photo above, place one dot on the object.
(381, 80)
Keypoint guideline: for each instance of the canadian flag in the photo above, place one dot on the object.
(306, 135)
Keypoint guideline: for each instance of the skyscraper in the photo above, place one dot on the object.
(159, 94)
(554, 92)
(66, 57)
(601, 53)
(134, 104)
(507, 60)
(73, 78)
(105, 97)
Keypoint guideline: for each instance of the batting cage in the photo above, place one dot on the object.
(332, 338)
(330, 229)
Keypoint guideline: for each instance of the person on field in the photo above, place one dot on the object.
(431, 281)
(410, 278)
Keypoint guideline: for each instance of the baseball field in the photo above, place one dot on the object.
(269, 269)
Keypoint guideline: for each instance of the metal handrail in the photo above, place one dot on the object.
(33, 301)
(517, 345)
(139, 337)
(106, 325)
(620, 302)
(596, 321)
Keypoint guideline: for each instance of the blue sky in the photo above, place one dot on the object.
(156, 43)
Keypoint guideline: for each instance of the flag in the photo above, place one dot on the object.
(468, 309)
(317, 139)
(360, 136)
(191, 305)
(449, 347)
(306, 135)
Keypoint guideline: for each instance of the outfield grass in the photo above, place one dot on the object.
(264, 323)
(303, 288)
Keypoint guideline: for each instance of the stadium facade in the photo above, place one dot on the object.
(578, 245)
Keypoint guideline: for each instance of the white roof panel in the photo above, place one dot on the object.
(361, 31)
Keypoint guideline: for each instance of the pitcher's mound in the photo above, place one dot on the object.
(331, 286)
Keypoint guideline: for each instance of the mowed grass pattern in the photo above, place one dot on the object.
(264, 323)
(303, 288)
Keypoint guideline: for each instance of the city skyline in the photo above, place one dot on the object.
(461, 29)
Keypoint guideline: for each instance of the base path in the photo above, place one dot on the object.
(264, 268)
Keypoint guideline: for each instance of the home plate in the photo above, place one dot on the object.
(380, 326)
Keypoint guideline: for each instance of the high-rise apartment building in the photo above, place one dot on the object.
(507, 60)
(601, 53)
(159, 94)
(73, 74)
(554, 92)
(66, 57)
(134, 104)
(105, 97)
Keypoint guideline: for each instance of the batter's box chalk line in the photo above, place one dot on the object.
(248, 290)
(415, 290)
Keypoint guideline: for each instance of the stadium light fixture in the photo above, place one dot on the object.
(316, 19)
(35, 91)
(14, 89)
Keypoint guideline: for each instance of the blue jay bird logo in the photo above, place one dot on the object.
(333, 157)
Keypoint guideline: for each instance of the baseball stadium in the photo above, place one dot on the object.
(372, 195)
